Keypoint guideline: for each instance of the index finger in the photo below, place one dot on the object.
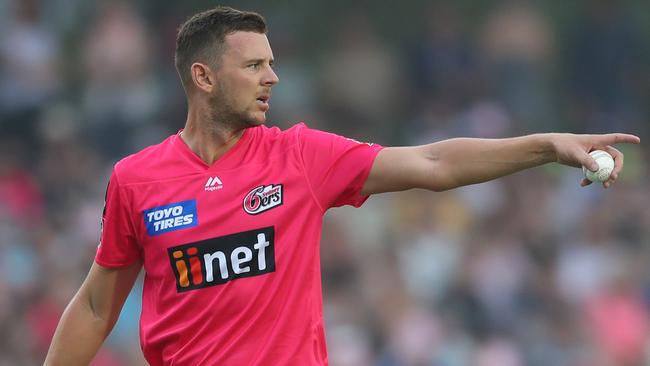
(619, 138)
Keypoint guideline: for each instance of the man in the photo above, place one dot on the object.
(225, 216)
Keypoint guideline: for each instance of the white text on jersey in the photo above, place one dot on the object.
(213, 184)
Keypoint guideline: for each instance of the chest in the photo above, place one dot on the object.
(208, 206)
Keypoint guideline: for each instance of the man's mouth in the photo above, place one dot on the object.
(263, 101)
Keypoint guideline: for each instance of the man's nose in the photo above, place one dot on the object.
(270, 78)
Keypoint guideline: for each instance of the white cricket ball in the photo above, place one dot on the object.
(605, 166)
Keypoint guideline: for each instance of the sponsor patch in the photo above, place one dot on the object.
(263, 198)
(218, 260)
(175, 216)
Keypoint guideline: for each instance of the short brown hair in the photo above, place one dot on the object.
(200, 38)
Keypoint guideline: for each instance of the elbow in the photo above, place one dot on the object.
(440, 186)
(439, 179)
(98, 313)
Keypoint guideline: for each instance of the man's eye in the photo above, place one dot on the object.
(253, 66)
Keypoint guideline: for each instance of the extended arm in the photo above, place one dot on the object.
(91, 314)
(457, 162)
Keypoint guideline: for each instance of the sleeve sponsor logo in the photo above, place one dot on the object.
(219, 260)
(175, 216)
(263, 198)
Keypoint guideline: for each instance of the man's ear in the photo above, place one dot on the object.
(203, 77)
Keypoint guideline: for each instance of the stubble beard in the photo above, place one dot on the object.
(223, 114)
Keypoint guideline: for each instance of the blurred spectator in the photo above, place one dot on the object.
(442, 64)
(121, 92)
(518, 45)
(605, 66)
(21, 201)
(361, 82)
(498, 352)
(586, 265)
(619, 322)
(414, 338)
(349, 346)
(28, 68)
(498, 274)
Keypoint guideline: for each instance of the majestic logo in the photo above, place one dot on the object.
(175, 216)
(219, 260)
(263, 198)
(213, 184)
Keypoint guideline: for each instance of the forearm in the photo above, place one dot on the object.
(458, 162)
(464, 161)
(78, 336)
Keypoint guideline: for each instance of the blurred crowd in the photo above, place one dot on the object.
(527, 270)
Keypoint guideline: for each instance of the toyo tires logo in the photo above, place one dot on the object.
(263, 198)
(175, 216)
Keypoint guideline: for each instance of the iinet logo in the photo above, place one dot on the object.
(219, 260)
(213, 184)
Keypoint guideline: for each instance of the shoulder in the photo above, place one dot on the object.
(299, 134)
(275, 134)
(146, 164)
(274, 140)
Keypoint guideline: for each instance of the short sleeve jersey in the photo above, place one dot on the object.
(231, 250)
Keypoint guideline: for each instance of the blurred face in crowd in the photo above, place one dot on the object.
(243, 78)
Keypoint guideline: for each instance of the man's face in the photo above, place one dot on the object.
(244, 78)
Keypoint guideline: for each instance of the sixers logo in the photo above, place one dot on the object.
(263, 198)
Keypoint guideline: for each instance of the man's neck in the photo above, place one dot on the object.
(209, 139)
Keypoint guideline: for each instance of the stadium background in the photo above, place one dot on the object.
(528, 270)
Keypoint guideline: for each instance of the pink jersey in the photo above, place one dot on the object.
(231, 250)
